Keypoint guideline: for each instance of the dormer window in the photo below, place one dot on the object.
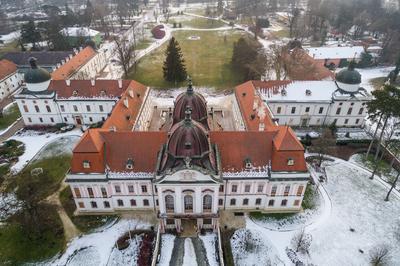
(283, 92)
(247, 164)
(290, 161)
(75, 93)
(129, 164)
(188, 145)
(102, 93)
(86, 164)
(308, 93)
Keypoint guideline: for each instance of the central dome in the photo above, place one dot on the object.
(195, 102)
(188, 145)
(348, 79)
(36, 78)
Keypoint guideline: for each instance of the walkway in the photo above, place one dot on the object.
(10, 131)
(183, 250)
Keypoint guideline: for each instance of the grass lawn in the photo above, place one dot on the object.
(9, 47)
(199, 23)
(9, 116)
(16, 248)
(10, 150)
(207, 61)
(84, 223)
(143, 44)
(377, 83)
(383, 166)
(281, 33)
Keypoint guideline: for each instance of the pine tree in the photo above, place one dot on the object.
(174, 65)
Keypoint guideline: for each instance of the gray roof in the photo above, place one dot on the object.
(44, 58)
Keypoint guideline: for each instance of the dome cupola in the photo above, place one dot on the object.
(188, 145)
(348, 79)
(36, 78)
(195, 102)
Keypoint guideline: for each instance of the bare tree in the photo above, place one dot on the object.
(301, 241)
(380, 255)
(393, 185)
(322, 144)
(276, 55)
(126, 53)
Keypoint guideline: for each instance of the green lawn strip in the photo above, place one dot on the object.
(9, 150)
(17, 248)
(9, 47)
(383, 166)
(226, 235)
(207, 61)
(9, 116)
(143, 44)
(85, 223)
(203, 23)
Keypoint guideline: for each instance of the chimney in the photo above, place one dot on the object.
(68, 82)
(67, 59)
(75, 51)
(70, 56)
(54, 68)
(93, 82)
(58, 65)
(80, 48)
(261, 126)
(126, 102)
(63, 62)
(120, 83)
(113, 129)
(131, 93)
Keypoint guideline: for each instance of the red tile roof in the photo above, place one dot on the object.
(251, 104)
(84, 88)
(76, 62)
(6, 68)
(122, 117)
(286, 140)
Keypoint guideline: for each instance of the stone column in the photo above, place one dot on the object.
(198, 201)
(178, 200)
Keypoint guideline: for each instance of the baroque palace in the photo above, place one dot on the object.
(184, 158)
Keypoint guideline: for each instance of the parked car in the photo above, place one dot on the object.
(67, 128)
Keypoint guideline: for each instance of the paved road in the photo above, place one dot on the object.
(10, 132)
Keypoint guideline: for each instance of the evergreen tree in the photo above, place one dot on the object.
(174, 65)
(88, 14)
(30, 34)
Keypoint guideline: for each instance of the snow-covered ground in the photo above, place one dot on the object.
(370, 73)
(7, 38)
(98, 248)
(209, 240)
(128, 256)
(167, 245)
(358, 221)
(34, 141)
(189, 257)
(60, 146)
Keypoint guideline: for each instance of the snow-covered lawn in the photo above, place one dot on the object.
(370, 73)
(98, 248)
(209, 240)
(34, 141)
(358, 222)
(167, 245)
(189, 257)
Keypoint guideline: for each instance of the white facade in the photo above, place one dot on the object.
(316, 103)
(48, 110)
(92, 68)
(9, 84)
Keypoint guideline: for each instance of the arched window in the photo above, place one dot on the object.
(300, 190)
(169, 203)
(188, 200)
(207, 203)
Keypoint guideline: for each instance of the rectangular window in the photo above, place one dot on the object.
(247, 188)
(321, 110)
(48, 109)
(273, 191)
(278, 110)
(75, 108)
(88, 108)
(233, 202)
(41, 120)
(101, 108)
(245, 202)
(130, 189)
(104, 192)
(37, 109)
(65, 119)
(258, 201)
(221, 188)
(144, 189)
(120, 202)
(346, 121)
(361, 111)
(287, 189)
(90, 192)
(271, 203)
(357, 121)
(94, 204)
(349, 111)
(307, 109)
(284, 202)
(86, 164)
(62, 108)
(334, 121)
(117, 189)
(293, 110)
(81, 205)
(77, 192)
(133, 202)
(51, 119)
(106, 204)
(220, 202)
(299, 191)
(90, 119)
(146, 202)
(234, 188)
(338, 110)
(296, 203)
(26, 109)
(260, 188)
